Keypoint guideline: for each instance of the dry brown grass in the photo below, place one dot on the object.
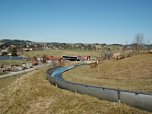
(33, 94)
(8, 80)
(133, 73)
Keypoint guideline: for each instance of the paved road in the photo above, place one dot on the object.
(23, 71)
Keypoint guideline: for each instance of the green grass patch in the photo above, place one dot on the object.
(12, 62)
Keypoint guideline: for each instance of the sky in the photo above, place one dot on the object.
(76, 21)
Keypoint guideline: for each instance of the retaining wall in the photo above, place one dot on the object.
(135, 99)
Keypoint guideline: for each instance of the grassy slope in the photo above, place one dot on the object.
(8, 80)
(32, 94)
(134, 73)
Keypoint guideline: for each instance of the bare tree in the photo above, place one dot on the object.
(139, 41)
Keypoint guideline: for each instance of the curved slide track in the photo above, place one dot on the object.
(135, 99)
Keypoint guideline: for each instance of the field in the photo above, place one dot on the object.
(133, 73)
(63, 52)
(6, 81)
(31, 93)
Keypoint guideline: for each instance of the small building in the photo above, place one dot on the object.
(71, 58)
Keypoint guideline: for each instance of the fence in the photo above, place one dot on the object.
(135, 99)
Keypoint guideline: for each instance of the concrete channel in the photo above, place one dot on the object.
(134, 99)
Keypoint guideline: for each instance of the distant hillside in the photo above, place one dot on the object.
(55, 45)
(8, 41)
(49, 45)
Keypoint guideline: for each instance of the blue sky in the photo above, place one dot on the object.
(76, 21)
